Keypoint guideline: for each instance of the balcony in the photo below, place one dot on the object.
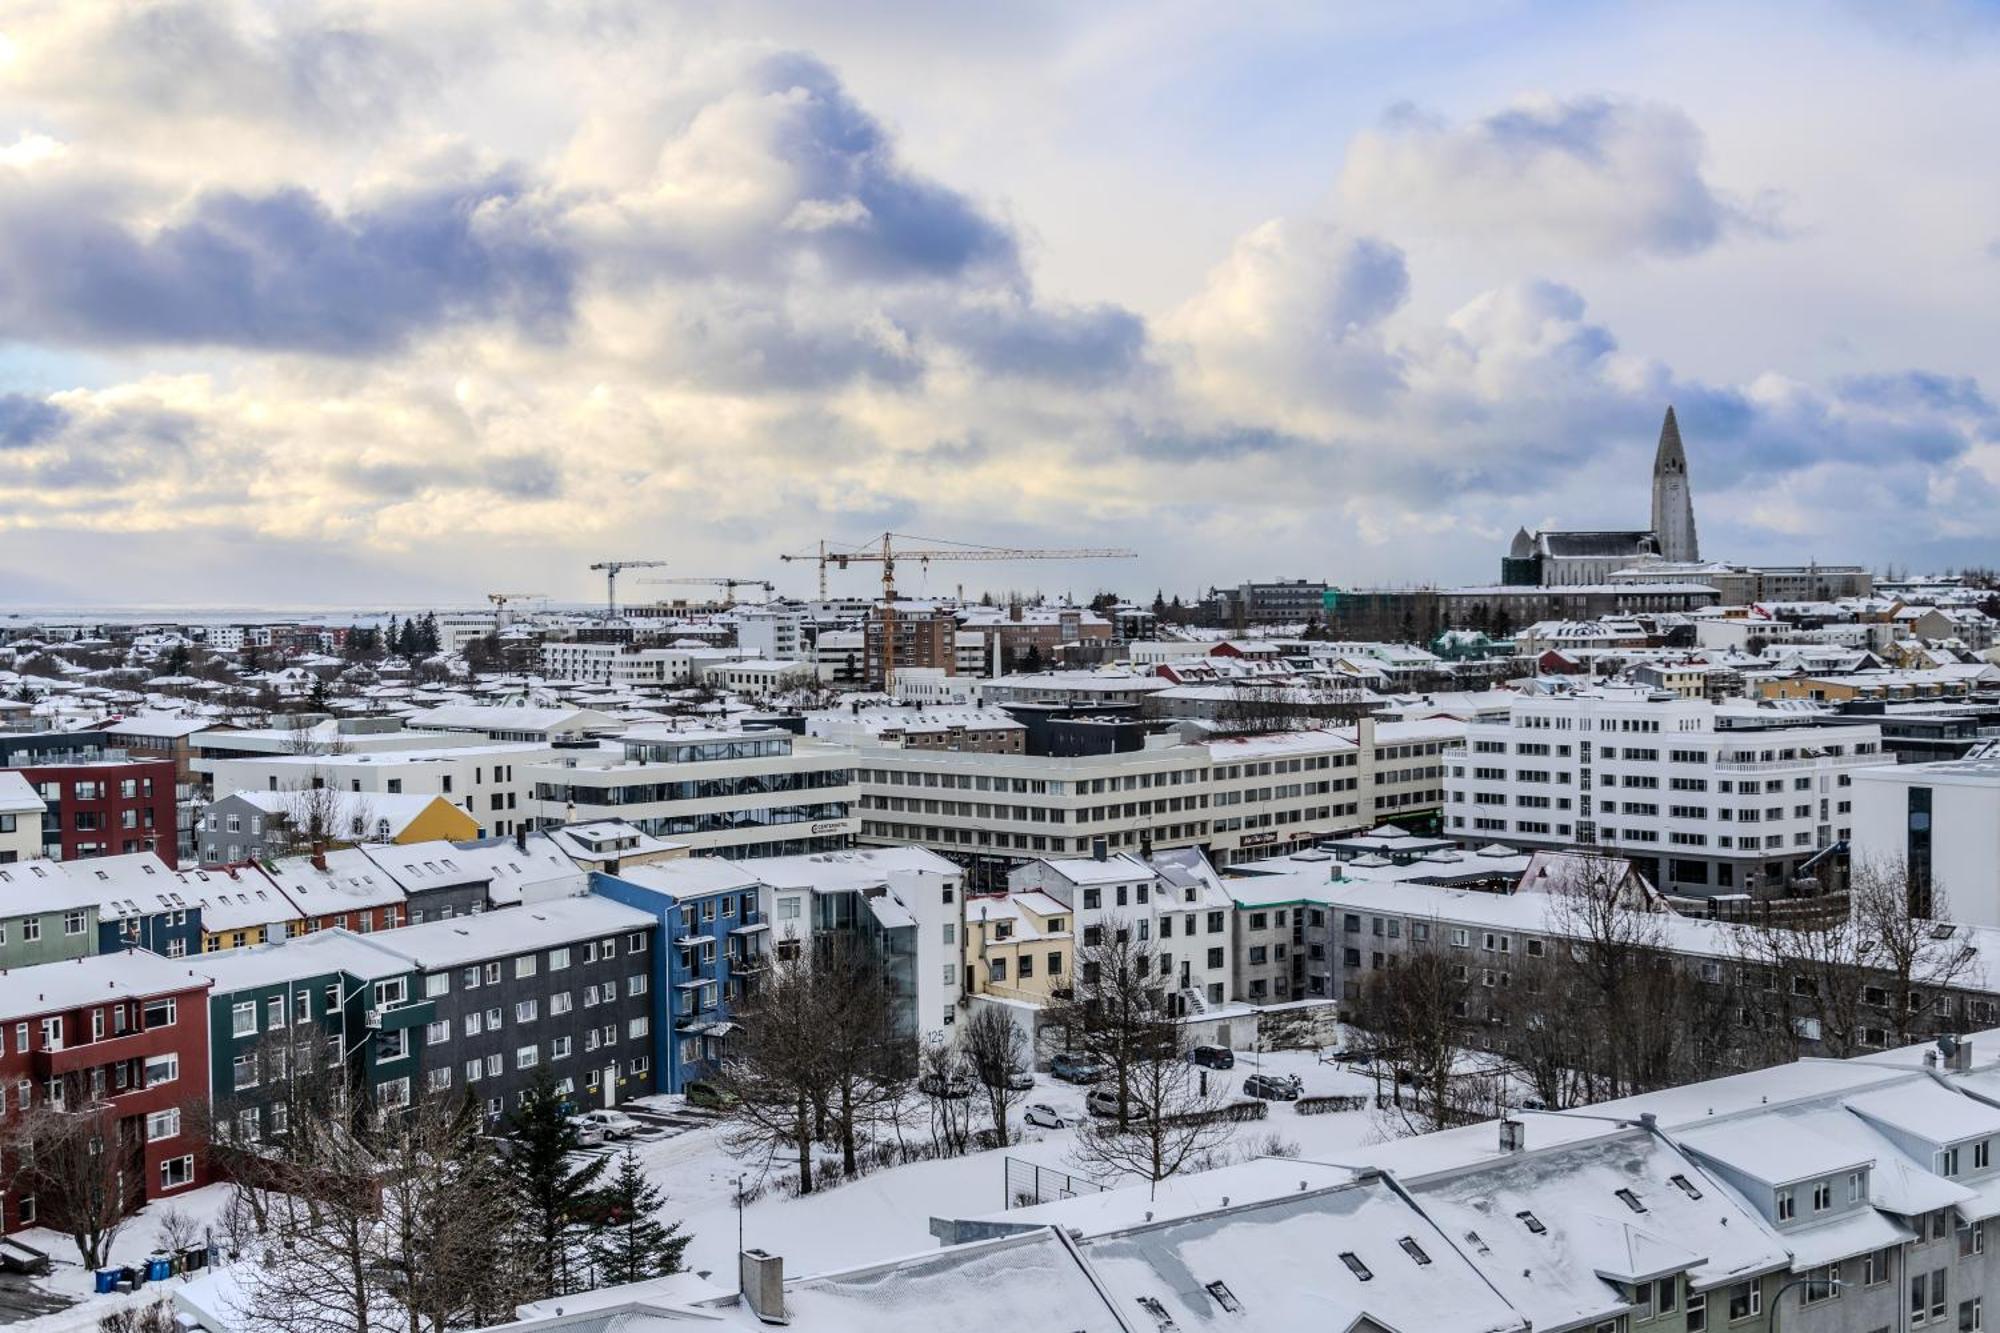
(399, 1017)
(55, 1061)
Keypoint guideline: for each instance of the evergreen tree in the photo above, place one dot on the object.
(428, 635)
(408, 645)
(318, 696)
(177, 660)
(1160, 602)
(554, 1194)
(390, 641)
(631, 1243)
(1031, 660)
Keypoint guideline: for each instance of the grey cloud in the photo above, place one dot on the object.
(26, 420)
(1081, 345)
(524, 476)
(281, 271)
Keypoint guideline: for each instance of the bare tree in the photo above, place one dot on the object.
(1417, 1012)
(1175, 1119)
(1903, 920)
(776, 1067)
(865, 1064)
(942, 1080)
(80, 1163)
(997, 1051)
(1117, 1011)
(315, 816)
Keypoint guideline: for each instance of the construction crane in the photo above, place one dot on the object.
(611, 568)
(728, 585)
(887, 554)
(500, 600)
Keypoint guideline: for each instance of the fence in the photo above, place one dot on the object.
(1030, 1183)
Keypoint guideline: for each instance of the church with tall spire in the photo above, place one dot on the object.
(1571, 558)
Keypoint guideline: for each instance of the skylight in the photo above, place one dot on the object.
(1414, 1250)
(1355, 1266)
(1631, 1200)
(1687, 1186)
(1532, 1222)
(1225, 1297)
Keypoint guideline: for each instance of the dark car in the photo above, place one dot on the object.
(953, 1085)
(1073, 1068)
(1212, 1057)
(1270, 1088)
(709, 1095)
(1018, 1080)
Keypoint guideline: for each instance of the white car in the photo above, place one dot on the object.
(612, 1124)
(1044, 1115)
(588, 1135)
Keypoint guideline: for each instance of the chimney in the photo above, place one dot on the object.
(1513, 1135)
(1956, 1053)
(521, 837)
(319, 856)
(1099, 849)
(1364, 734)
(762, 1278)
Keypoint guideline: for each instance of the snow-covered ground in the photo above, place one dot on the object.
(887, 1213)
(882, 1215)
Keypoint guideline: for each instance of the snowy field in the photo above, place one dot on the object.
(879, 1216)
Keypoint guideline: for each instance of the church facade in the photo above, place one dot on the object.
(1564, 559)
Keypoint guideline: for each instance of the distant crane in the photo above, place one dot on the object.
(887, 554)
(610, 569)
(728, 585)
(500, 600)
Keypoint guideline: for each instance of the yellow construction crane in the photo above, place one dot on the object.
(610, 570)
(500, 600)
(728, 585)
(887, 554)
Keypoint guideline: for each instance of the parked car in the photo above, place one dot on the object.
(1104, 1102)
(588, 1134)
(1073, 1068)
(612, 1124)
(1044, 1115)
(1271, 1088)
(710, 1096)
(954, 1085)
(1354, 1055)
(1020, 1080)
(1212, 1057)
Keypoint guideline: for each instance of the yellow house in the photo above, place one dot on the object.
(1018, 947)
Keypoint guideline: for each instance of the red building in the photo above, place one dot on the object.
(122, 1037)
(108, 807)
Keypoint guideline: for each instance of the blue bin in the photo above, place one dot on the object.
(159, 1268)
(107, 1281)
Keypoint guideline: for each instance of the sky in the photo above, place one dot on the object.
(338, 303)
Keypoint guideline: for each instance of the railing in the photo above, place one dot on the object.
(1030, 1183)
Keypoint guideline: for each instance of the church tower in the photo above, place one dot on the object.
(1673, 500)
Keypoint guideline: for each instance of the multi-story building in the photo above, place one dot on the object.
(159, 736)
(1940, 824)
(1286, 602)
(21, 811)
(566, 983)
(107, 807)
(712, 944)
(46, 914)
(923, 636)
(723, 793)
(771, 632)
(1019, 946)
(1176, 906)
(521, 726)
(1235, 798)
(488, 781)
(122, 1037)
(1702, 809)
(257, 825)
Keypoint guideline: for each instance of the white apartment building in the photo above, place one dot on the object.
(21, 811)
(723, 793)
(770, 633)
(625, 664)
(1701, 809)
(1179, 908)
(1941, 821)
(489, 782)
(1236, 798)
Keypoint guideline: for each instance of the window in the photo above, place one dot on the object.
(1786, 1206)
(526, 1057)
(163, 1125)
(1355, 1266)
(1875, 1267)
(1631, 1200)
(1971, 1239)
(1746, 1300)
(526, 1011)
(1697, 1311)
(1822, 1195)
(1821, 1284)
(436, 984)
(1947, 1162)
(1414, 1250)
(524, 966)
(558, 959)
(176, 1172)
(1970, 1315)
(438, 1033)
(1531, 1222)
(1981, 1154)
(1857, 1187)
(162, 1069)
(243, 1019)
(1686, 1186)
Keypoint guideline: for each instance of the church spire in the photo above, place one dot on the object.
(1673, 497)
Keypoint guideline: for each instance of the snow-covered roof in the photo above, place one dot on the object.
(349, 882)
(18, 795)
(316, 954)
(463, 939)
(131, 974)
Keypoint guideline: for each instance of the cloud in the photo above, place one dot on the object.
(26, 420)
(1611, 177)
(282, 271)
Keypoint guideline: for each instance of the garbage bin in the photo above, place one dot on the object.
(195, 1256)
(133, 1277)
(159, 1268)
(107, 1281)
